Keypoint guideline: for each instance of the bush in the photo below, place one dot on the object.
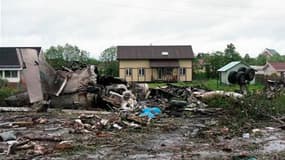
(255, 106)
(252, 108)
(4, 93)
(3, 83)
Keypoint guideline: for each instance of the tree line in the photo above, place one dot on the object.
(213, 61)
(59, 56)
(65, 55)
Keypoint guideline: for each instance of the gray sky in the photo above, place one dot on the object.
(93, 25)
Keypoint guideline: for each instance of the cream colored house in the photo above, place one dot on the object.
(155, 63)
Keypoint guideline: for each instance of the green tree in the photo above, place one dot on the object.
(59, 56)
(261, 60)
(214, 62)
(248, 60)
(218, 59)
(109, 63)
(231, 54)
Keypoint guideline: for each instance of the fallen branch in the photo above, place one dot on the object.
(277, 119)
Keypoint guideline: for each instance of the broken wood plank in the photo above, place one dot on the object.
(15, 109)
(82, 111)
(44, 138)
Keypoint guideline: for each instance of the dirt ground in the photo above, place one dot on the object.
(192, 136)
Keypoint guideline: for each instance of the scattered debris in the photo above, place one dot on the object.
(117, 109)
(6, 136)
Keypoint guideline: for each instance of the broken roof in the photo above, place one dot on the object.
(155, 52)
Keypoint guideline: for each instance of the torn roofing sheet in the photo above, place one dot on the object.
(31, 73)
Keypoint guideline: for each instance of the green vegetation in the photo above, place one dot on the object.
(6, 92)
(211, 84)
(108, 62)
(215, 60)
(242, 112)
(58, 56)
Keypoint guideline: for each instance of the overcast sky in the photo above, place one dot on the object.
(93, 25)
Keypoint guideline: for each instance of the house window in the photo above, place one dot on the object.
(11, 74)
(182, 71)
(141, 72)
(14, 74)
(128, 72)
(1, 74)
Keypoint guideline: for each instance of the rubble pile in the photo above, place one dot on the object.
(274, 89)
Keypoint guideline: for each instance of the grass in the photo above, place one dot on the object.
(210, 84)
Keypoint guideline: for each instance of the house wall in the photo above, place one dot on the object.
(135, 65)
(10, 79)
(151, 73)
(224, 75)
(269, 70)
(187, 64)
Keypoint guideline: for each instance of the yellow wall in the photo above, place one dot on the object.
(136, 64)
(188, 65)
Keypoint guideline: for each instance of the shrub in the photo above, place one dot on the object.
(3, 83)
(253, 106)
(4, 93)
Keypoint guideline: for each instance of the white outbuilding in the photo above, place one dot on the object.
(232, 66)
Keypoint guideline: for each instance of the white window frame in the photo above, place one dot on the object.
(182, 71)
(10, 74)
(128, 71)
(141, 72)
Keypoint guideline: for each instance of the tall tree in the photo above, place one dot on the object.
(231, 54)
(218, 59)
(247, 59)
(110, 65)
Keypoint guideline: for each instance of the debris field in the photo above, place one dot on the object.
(78, 114)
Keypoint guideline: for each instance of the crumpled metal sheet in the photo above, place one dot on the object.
(79, 80)
(31, 73)
(50, 79)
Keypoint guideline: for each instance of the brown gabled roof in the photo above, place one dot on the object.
(278, 66)
(154, 52)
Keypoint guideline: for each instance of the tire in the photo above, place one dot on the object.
(241, 78)
(243, 69)
(232, 77)
(249, 74)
